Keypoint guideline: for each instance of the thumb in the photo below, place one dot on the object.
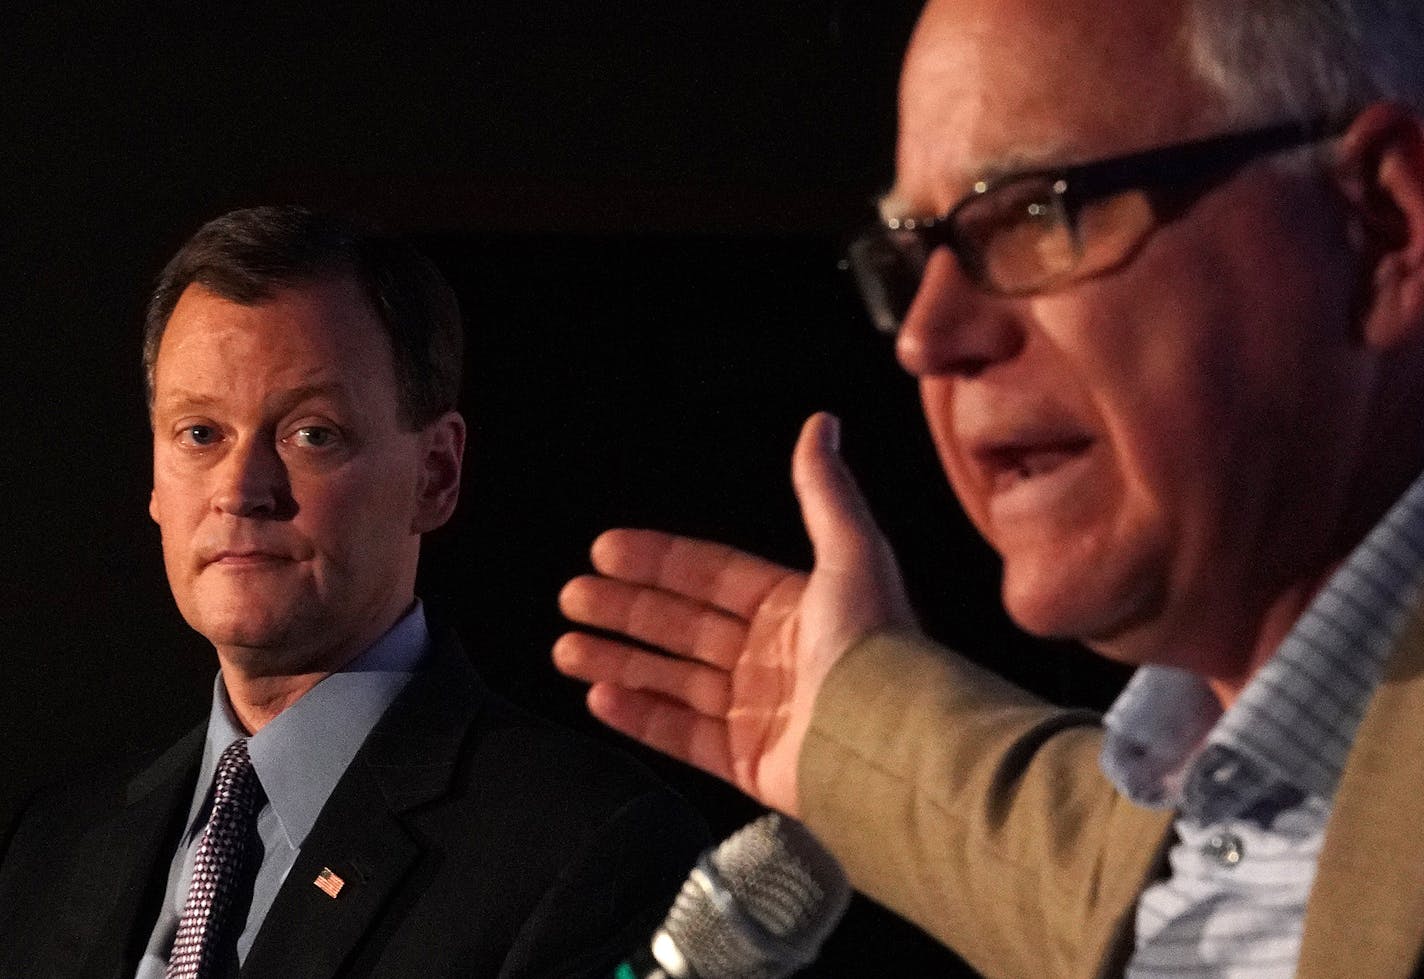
(833, 508)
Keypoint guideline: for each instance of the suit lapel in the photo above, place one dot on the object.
(360, 838)
(365, 852)
(1367, 906)
(118, 870)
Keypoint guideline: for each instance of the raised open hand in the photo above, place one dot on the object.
(743, 645)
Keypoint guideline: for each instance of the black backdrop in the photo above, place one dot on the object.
(640, 205)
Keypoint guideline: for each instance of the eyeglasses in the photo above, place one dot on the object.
(1033, 232)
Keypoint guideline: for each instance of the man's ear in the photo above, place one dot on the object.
(153, 506)
(442, 445)
(1380, 172)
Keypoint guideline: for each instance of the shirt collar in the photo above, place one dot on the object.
(1296, 720)
(301, 754)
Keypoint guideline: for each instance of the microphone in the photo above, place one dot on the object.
(757, 907)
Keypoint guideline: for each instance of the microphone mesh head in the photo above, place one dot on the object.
(761, 904)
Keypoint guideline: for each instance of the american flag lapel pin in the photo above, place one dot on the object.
(329, 883)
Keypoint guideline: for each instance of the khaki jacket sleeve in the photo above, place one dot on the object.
(976, 811)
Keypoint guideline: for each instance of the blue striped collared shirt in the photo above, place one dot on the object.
(1253, 786)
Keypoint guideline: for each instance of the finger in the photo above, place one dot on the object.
(837, 517)
(679, 625)
(722, 576)
(596, 660)
(665, 725)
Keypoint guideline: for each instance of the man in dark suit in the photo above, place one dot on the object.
(377, 811)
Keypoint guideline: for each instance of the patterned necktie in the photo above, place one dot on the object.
(217, 867)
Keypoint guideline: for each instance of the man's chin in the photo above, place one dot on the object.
(1114, 625)
(250, 642)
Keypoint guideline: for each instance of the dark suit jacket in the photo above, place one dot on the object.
(474, 840)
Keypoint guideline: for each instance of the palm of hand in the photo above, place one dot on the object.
(763, 739)
(717, 655)
(742, 647)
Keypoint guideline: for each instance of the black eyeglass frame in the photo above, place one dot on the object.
(1189, 169)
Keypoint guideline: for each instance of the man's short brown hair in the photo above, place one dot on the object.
(247, 255)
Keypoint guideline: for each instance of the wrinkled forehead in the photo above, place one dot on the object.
(996, 85)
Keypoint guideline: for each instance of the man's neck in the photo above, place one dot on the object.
(1225, 649)
(256, 700)
(1275, 625)
(261, 683)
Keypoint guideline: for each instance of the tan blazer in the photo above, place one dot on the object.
(978, 812)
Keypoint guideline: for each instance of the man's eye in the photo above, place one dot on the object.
(313, 437)
(1026, 205)
(198, 435)
(1016, 210)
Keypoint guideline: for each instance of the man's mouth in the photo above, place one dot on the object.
(246, 558)
(1010, 464)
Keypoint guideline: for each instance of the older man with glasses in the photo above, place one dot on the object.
(1159, 271)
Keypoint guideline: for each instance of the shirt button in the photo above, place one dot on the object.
(1225, 848)
(1225, 772)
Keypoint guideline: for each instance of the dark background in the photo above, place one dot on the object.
(640, 205)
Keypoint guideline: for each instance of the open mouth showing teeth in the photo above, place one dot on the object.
(1010, 465)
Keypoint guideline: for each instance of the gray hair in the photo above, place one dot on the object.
(1273, 59)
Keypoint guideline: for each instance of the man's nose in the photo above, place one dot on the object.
(253, 481)
(953, 326)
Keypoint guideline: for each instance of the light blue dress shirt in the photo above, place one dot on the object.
(299, 756)
(1253, 787)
